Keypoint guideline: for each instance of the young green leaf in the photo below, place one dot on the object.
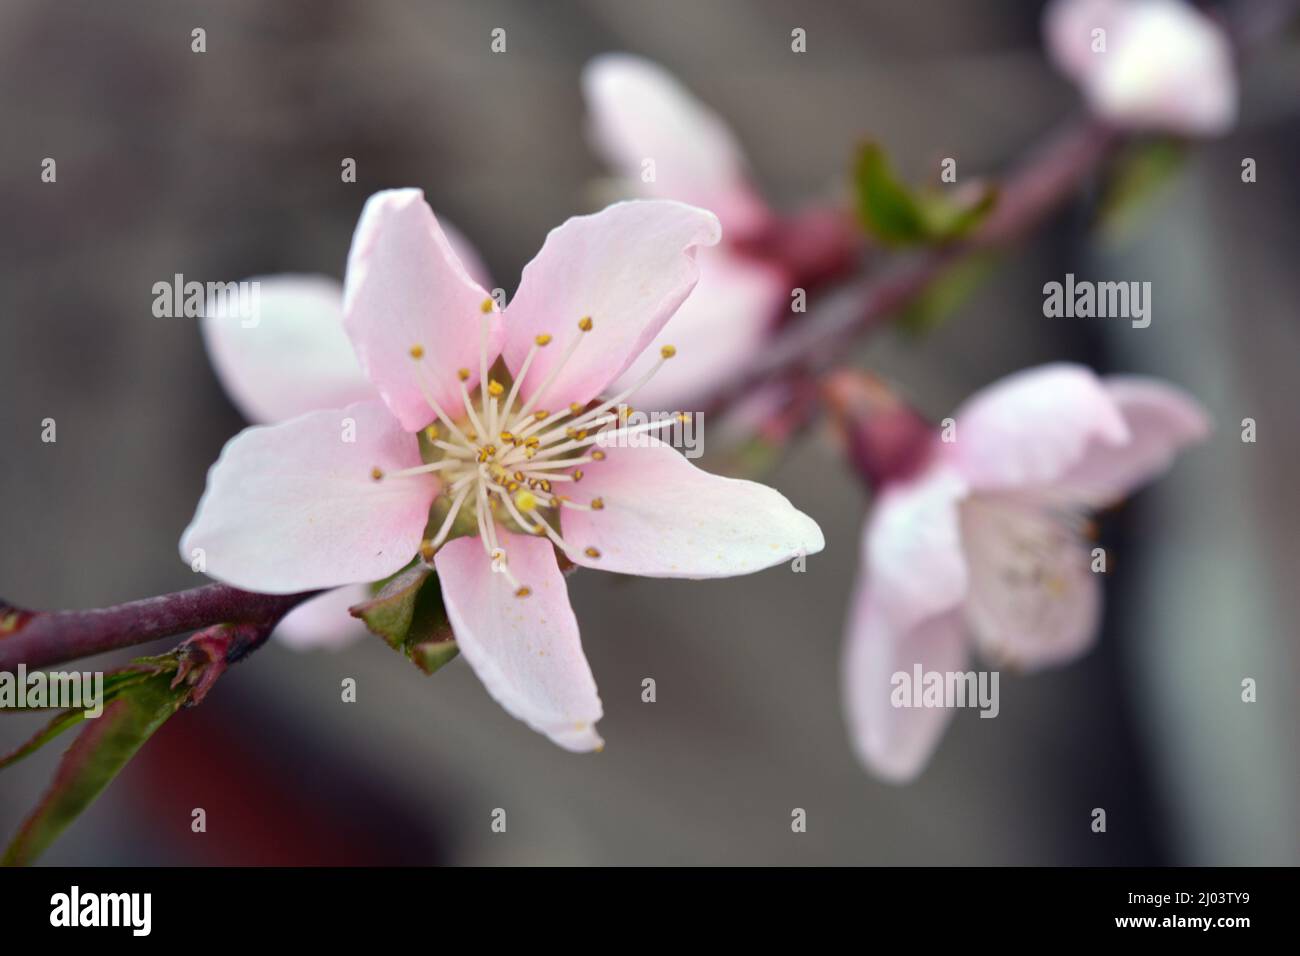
(102, 749)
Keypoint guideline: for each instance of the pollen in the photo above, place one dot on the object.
(463, 375)
(541, 414)
(575, 408)
(495, 388)
(585, 323)
(526, 501)
(543, 340)
(591, 552)
(523, 592)
(668, 351)
(376, 473)
(597, 504)
(431, 432)
(577, 475)
(486, 305)
(598, 455)
(508, 437)
(417, 351)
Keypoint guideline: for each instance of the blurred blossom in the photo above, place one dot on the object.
(986, 545)
(339, 497)
(1146, 64)
(664, 142)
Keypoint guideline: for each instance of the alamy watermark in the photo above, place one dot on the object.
(58, 690)
(922, 688)
(1103, 300)
(634, 429)
(193, 299)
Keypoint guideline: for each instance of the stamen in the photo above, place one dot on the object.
(445, 528)
(376, 473)
(422, 469)
(591, 552)
(584, 324)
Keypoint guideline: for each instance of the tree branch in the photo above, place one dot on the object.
(45, 638)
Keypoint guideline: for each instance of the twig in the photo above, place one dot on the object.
(45, 638)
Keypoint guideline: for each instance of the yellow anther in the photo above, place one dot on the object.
(591, 553)
(431, 432)
(376, 472)
(519, 476)
(597, 504)
(512, 486)
(495, 388)
(417, 351)
(668, 351)
(523, 592)
(577, 475)
(544, 339)
(584, 323)
(526, 501)
(486, 305)
(575, 408)
(426, 549)
(546, 486)
(533, 441)
(463, 375)
(598, 455)
(541, 414)
(507, 437)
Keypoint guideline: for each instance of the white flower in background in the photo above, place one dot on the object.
(641, 114)
(1155, 64)
(983, 545)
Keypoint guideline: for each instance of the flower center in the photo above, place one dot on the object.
(513, 464)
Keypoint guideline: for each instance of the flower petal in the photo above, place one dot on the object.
(628, 268)
(292, 356)
(406, 288)
(640, 112)
(1165, 66)
(665, 518)
(893, 742)
(323, 623)
(1161, 419)
(1034, 599)
(1032, 427)
(292, 507)
(717, 332)
(525, 650)
(912, 548)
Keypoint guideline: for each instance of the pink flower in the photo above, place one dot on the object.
(985, 546)
(294, 357)
(489, 451)
(641, 115)
(1163, 66)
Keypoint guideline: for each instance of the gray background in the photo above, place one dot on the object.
(226, 164)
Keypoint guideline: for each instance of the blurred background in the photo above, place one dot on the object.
(226, 164)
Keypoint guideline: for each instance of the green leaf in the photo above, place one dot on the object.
(1140, 174)
(897, 215)
(885, 205)
(945, 295)
(98, 754)
(409, 615)
(69, 718)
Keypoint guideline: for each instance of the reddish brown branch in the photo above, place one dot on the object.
(45, 638)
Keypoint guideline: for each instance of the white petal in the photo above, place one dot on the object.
(665, 518)
(526, 650)
(291, 356)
